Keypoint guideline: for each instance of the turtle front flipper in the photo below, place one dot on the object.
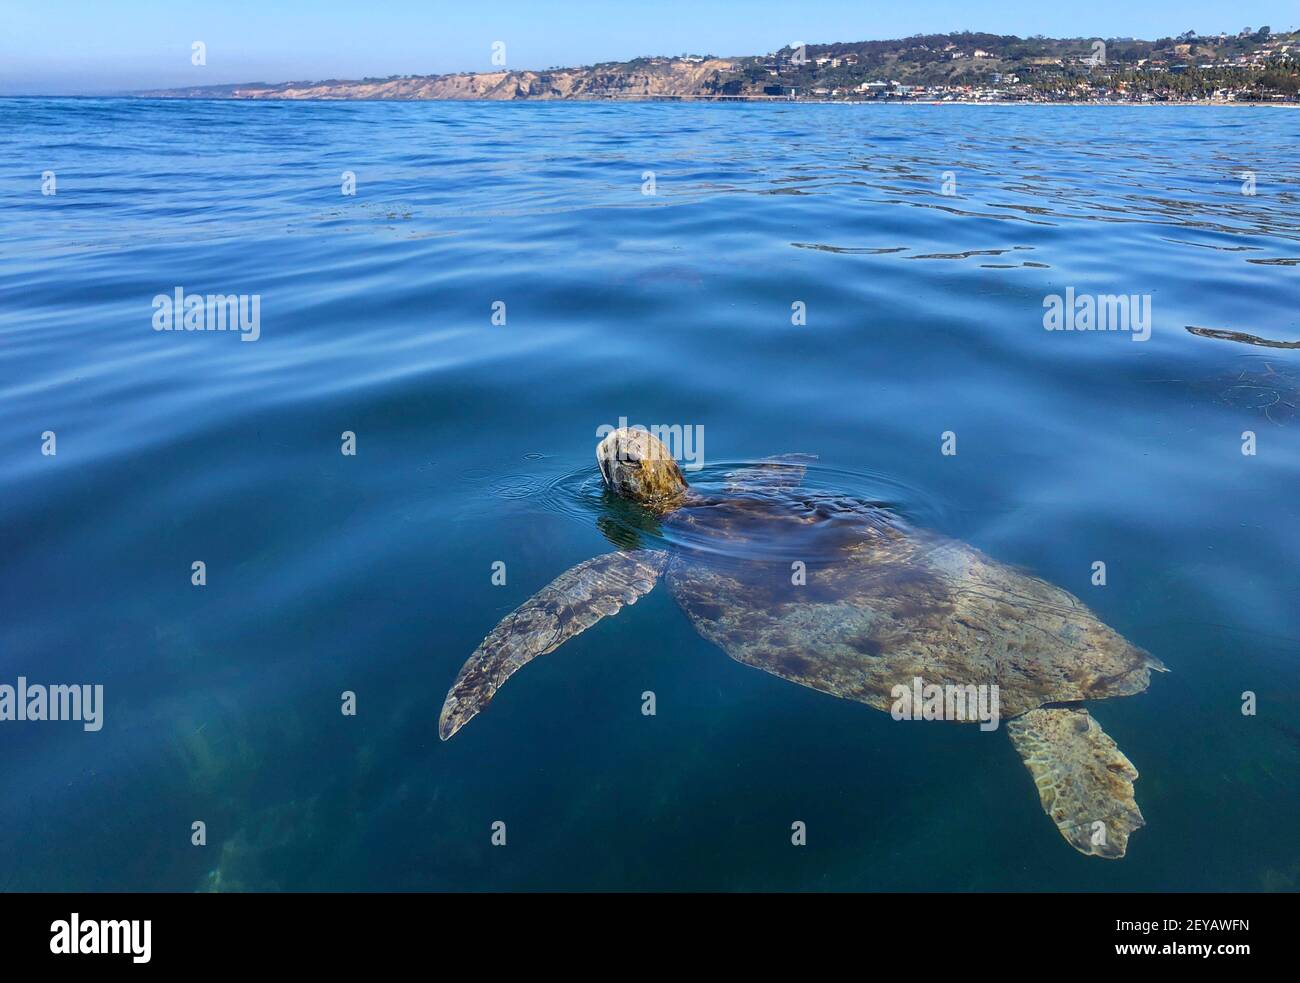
(567, 606)
(1084, 780)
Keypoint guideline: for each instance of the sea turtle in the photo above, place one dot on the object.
(843, 597)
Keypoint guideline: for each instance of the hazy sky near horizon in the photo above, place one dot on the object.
(95, 46)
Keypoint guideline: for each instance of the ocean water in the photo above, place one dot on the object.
(372, 573)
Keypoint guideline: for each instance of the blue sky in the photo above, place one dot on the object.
(90, 46)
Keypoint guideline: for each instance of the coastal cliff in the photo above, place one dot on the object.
(640, 79)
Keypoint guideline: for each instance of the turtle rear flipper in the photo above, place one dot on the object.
(1084, 780)
(567, 606)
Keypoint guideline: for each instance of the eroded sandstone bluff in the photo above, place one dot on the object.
(663, 78)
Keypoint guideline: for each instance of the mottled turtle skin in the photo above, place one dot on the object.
(839, 596)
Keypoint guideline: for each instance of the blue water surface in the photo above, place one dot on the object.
(372, 573)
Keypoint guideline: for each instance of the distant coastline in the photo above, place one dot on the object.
(1255, 68)
(706, 100)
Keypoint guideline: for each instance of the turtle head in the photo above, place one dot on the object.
(637, 466)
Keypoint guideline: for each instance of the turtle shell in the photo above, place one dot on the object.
(877, 605)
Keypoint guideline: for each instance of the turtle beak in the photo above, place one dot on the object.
(602, 462)
(609, 452)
